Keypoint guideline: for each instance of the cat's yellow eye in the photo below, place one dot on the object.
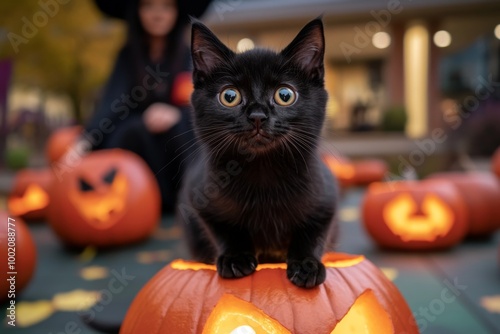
(285, 96)
(230, 97)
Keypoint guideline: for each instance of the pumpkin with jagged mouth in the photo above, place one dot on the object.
(103, 204)
(416, 215)
(190, 297)
(403, 218)
(108, 198)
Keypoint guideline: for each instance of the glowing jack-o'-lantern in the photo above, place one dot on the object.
(481, 192)
(182, 88)
(28, 198)
(342, 168)
(436, 219)
(495, 162)
(188, 297)
(109, 198)
(60, 141)
(357, 173)
(415, 215)
(24, 251)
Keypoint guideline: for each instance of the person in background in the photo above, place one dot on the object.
(138, 110)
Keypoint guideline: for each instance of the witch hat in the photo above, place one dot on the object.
(119, 8)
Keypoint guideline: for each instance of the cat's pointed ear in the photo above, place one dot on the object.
(308, 48)
(207, 50)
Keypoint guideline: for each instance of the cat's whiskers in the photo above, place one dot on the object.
(191, 142)
(331, 148)
(295, 144)
(224, 144)
(212, 137)
(284, 144)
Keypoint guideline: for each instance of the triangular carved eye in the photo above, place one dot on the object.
(110, 176)
(365, 316)
(235, 316)
(84, 186)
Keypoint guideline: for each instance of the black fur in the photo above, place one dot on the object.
(258, 191)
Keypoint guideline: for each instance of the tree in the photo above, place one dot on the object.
(65, 48)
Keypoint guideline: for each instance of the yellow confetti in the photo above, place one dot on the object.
(390, 273)
(151, 257)
(349, 214)
(88, 254)
(31, 313)
(491, 303)
(76, 300)
(94, 273)
(172, 233)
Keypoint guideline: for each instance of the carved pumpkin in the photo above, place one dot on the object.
(182, 88)
(60, 141)
(496, 162)
(358, 173)
(189, 297)
(412, 215)
(369, 171)
(481, 192)
(342, 168)
(25, 255)
(28, 198)
(110, 198)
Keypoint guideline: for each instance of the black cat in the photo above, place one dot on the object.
(258, 191)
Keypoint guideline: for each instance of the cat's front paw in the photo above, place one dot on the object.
(236, 265)
(306, 273)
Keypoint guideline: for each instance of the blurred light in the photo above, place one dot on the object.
(381, 40)
(245, 44)
(497, 31)
(416, 67)
(442, 38)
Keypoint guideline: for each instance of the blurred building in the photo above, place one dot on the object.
(427, 56)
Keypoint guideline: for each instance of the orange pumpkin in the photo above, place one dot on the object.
(342, 168)
(25, 255)
(28, 198)
(412, 215)
(495, 166)
(369, 171)
(182, 88)
(188, 297)
(60, 141)
(357, 173)
(109, 198)
(481, 192)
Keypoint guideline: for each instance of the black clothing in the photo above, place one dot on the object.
(119, 124)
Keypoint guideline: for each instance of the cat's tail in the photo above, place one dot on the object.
(100, 326)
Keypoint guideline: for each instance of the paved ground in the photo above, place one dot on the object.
(422, 278)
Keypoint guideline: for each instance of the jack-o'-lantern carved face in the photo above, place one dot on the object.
(267, 303)
(29, 198)
(415, 215)
(102, 204)
(481, 192)
(436, 218)
(236, 316)
(109, 198)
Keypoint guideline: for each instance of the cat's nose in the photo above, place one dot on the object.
(257, 118)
